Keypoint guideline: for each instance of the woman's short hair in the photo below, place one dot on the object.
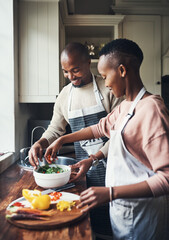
(123, 47)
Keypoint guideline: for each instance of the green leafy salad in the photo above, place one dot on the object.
(48, 169)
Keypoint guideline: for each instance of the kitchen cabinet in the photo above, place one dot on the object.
(146, 32)
(165, 70)
(38, 50)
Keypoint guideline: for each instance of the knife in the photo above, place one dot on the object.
(58, 189)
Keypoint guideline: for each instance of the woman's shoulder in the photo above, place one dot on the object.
(154, 109)
(154, 102)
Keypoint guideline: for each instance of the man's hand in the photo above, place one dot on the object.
(52, 150)
(36, 152)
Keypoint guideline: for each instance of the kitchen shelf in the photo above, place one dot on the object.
(94, 60)
(94, 35)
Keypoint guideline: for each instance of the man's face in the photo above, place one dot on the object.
(76, 69)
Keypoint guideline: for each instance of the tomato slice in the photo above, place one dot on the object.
(18, 204)
(55, 195)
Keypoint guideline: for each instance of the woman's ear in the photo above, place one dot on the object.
(122, 70)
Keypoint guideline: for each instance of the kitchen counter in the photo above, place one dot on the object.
(12, 181)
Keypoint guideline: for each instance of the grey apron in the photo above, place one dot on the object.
(79, 119)
(135, 219)
(86, 117)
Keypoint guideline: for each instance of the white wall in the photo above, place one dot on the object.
(13, 116)
(165, 45)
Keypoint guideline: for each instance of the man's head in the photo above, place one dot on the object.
(75, 63)
(119, 60)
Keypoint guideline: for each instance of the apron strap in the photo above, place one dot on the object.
(70, 98)
(97, 93)
(131, 110)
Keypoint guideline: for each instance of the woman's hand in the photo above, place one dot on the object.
(52, 150)
(79, 170)
(93, 197)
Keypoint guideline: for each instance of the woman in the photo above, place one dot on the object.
(137, 174)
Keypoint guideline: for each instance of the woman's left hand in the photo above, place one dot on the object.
(93, 197)
(79, 170)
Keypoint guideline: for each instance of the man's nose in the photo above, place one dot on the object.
(70, 75)
(105, 84)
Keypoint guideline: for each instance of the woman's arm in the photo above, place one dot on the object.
(79, 170)
(137, 190)
(95, 196)
(83, 134)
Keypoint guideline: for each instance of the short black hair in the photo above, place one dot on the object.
(78, 48)
(123, 46)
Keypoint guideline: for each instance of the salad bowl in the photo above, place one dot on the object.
(51, 176)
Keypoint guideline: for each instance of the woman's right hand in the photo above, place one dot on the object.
(93, 197)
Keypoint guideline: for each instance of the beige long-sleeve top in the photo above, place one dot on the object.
(146, 137)
(81, 98)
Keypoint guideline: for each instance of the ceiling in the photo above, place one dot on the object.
(107, 7)
(90, 6)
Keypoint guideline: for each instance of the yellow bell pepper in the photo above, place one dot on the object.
(62, 205)
(30, 194)
(41, 202)
(37, 200)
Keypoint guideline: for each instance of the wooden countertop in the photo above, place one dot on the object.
(12, 181)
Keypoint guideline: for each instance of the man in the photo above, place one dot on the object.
(82, 103)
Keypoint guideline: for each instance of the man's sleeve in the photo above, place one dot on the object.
(58, 123)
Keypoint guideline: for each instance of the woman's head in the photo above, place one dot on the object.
(120, 61)
(123, 50)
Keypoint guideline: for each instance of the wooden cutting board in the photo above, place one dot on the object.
(59, 219)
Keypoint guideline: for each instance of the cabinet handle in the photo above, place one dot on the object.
(158, 83)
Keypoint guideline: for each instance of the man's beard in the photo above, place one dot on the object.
(80, 85)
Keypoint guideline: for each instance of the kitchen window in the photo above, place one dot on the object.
(7, 86)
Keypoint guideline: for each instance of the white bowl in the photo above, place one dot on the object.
(52, 180)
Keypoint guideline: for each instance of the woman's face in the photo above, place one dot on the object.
(113, 76)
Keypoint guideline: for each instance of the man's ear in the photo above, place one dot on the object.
(122, 70)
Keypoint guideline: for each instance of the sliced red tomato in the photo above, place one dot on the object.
(55, 195)
(49, 158)
(18, 204)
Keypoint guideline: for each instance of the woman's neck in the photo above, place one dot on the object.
(133, 88)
